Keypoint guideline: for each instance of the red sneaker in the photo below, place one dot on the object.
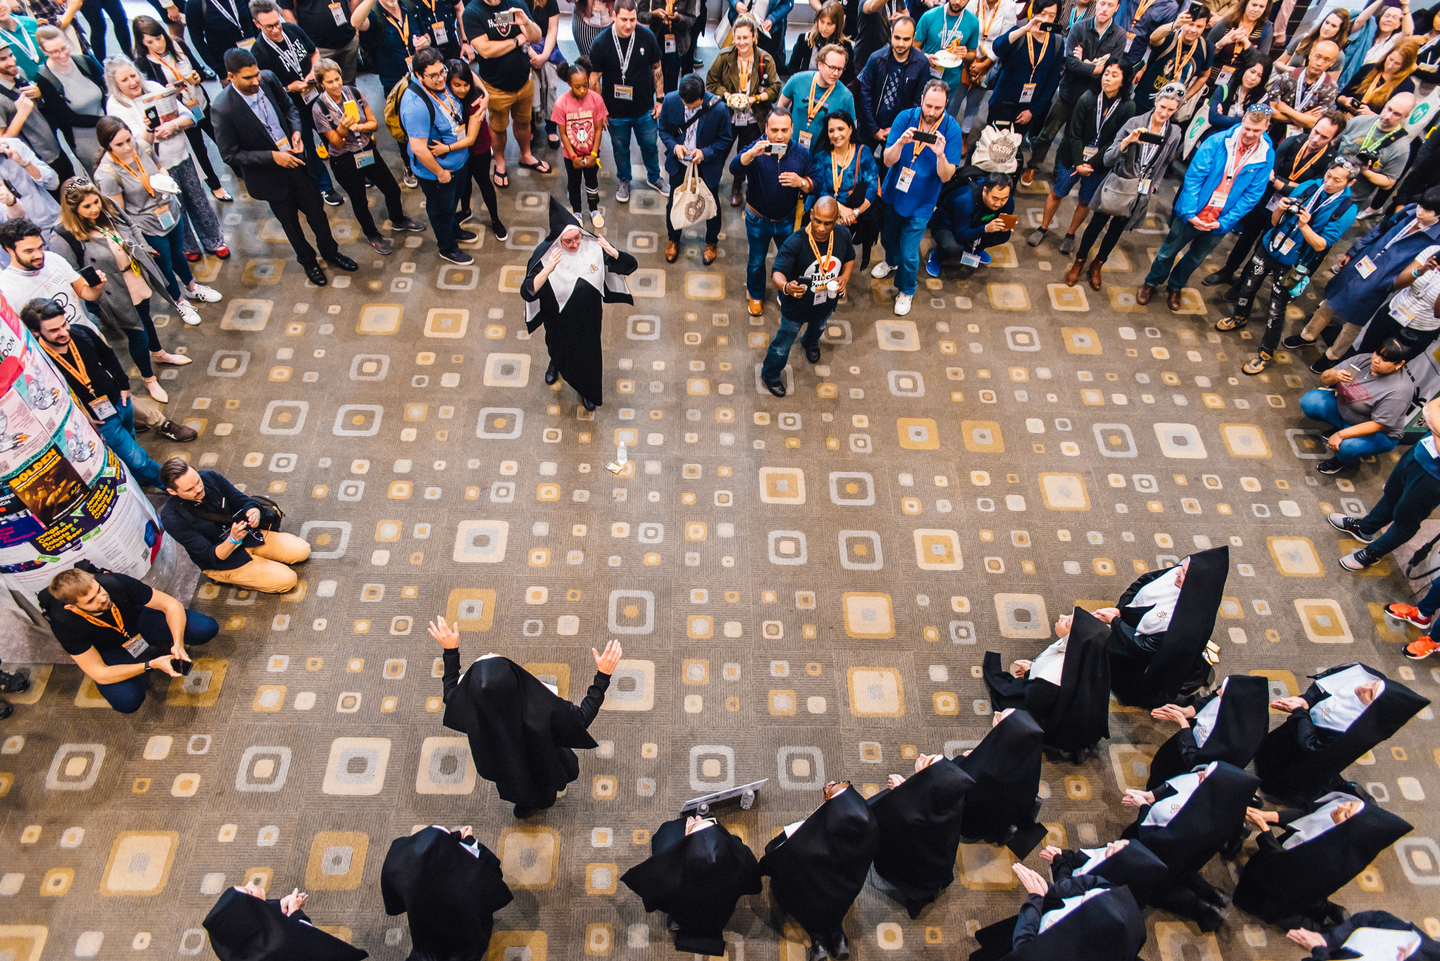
(1421, 649)
(1409, 614)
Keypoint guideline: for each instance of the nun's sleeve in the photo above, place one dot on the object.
(1311, 738)
(451, 658)
(587, 709)
(1066, 863)
(1027, 922)
(625, 264)
(1185, 741)
(528, 292)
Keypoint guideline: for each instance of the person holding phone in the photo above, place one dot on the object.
(776, 173)
(1179, 53)
(970, 220)
(25, 185)
(1090, 45)
(118, 630)
(1367, 400)
(812, 269)
(1032, 60)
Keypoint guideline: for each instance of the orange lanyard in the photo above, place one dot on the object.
(119, 624)
(985, 21)
(402, 28)
(837, 171)
(174, 68)
(915, 145)
(1296, 174)
(745, 69)
(811, 107)
(141, 176)
(1030, 49)
(1140, 12)
(1374, 85)
(1178, 65)
(77, 369)
(830, 249)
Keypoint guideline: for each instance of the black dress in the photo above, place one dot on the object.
(920, 832)
(1241, 721)
(1107, 926)
(1355, 926)
(449, 888)
(1005, 766)
(245, 928)
(1074, 714)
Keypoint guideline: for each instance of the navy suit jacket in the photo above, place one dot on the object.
(712, 139)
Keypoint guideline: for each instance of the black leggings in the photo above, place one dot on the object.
(202, 152)
(591, 176)
(477, 168)
(353, 179)
(1098, 222)
(143, 340)
(93, 11)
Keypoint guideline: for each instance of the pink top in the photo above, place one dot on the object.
(582, 120)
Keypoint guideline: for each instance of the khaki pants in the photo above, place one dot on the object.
(266, 571)
(1321, 319)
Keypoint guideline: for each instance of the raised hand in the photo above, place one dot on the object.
(449, 637)
(1032, 881)
(606, 663)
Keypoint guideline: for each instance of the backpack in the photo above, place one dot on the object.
(392, 108)
(48, 602)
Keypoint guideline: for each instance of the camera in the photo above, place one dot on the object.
(504, 18)
(1367, 158)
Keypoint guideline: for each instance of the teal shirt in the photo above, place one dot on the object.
(23, 42)
(938, 29)
(797, 88)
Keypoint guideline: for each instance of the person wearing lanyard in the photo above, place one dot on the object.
(18, 33)
(890, 82)
(401, 31)
(670, 21)
(1409, 315)
(1304, 225)
(1301, 96)
(997, 18)
(217, 26)
(1367, 276)
(630, 94)
(1090, 45)
(1381, 146)
(695, 129)
(1179, 52)
(747, 78)
(949, 35)
(971, 219)
(813, 95)
(288, 52)
(72, 93)
(1139, 21)
(1225, 179)
(812, 268)
(1032, 60)
(846, 171)
(775, 172)
(434, 134)
(502, 35)
(331, 29)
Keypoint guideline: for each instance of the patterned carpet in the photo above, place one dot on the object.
(804, 587)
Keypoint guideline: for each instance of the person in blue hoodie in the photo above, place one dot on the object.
(1303, 227)
(1226, 177)
(694, 127)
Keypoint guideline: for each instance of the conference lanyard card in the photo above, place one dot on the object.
(102, 408)
(438, 31)
(338, 13)
(1365, 267)
(1144, 187)
(136, 646)
(805, 138)
(907, 176)
(365, 158)
(1088, 153)
(623, 93)
(969, 259)
(1225, 74)
(1027, 92)
(669, 43)
(281, 144)
(1287, 246)
(167, 219)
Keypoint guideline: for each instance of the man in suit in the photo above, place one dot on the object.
(695, 127)
(258, 133)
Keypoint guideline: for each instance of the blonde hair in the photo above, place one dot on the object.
(69, 586)
(323, 66)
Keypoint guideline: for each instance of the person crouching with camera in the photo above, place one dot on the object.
(233, 538)
(1302, 228)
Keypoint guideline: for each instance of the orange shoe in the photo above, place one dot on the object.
(1409, 614)
(1421, 649)
(756, 308)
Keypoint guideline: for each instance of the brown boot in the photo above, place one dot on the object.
(1143, 294)
(672, 252)
(1072, 276)
(711, 252)
(737, 194)
(1096, 266)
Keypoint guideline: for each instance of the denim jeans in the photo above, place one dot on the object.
(901, 237)
(118, 432)
(760, 232)
(1411, 493)
(1182, 232)
(170, 258)
(443, 206)
(784, 338)
(126, 696)
(644, 129)
(974, 97)
(1320, 404)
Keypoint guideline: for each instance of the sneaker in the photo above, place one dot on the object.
(881, 270)
(660, 186)
(1322, 365)
(1067, 246)
(332, 198)
(410, 180)
(188, 314)
(457, 256)
(1359, 560)
(1037, 237)
(1369, 213)
(381, 244)
(985, 258)
(204, 294)
(1346, 524)
(1421, 649)
(466, 236)
(15, 683)
(902, 304)
(932, 264)
(179, 433)
(1296, 342)
(465, 217)
(498, 229)
(1261, 361)
(597, 220)
(622, 192)
(1333, 465)
(1408, 613)
(409, 224)
(1027, 177)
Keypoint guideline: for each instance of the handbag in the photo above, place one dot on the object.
(693, 202)
(998, 149)
(1117, 195)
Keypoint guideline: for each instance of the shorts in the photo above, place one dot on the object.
(1066, 178)
(503, 104)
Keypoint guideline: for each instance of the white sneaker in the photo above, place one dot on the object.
(881, 270)
(902, 304)
(188, 314)
(207, 295)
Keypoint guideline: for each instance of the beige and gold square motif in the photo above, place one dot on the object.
(517, 946)
(782, 485)
(1081, 340)
(937, 550)
(1244, 440)
(552, 673)
(529, 858)
(984, 867)
(704, 285)
(1008, 296)
(22, 942)
(1131, 764)
(601, 878)
(199, 688)
(139, 863)
(337, 860)
(471, 609)
(918, 433)
(1323, 620)
(1067, 298)
(379, 319)
(1064, 492)
(868, 614)
(876, 692)
(447, 323)
(1295, 556)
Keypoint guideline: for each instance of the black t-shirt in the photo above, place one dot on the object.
(1163, 68)
(606, 60)
(317, 19)
(510, 72)
(796, 260)
(542, 12)
(77, 635)
(281, 59)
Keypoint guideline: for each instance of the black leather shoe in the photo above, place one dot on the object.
(551, 374)
(777, 388)
(841, 948)
(812, 354)
(342, 262)
(1322, 365)
(1296, 342)
(316, 275)
(1217, 278)
(1231, 296)
(587, 404)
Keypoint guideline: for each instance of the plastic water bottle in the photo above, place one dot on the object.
(622, 457)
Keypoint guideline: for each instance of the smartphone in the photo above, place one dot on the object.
(10, 187)
(1009, 220)
(778, 149)
(1148, 137)
(1052, 28)
(90, 275)
(504, 18)
(180, 666)
(152, 117)
(1198, 10)
(920, 136)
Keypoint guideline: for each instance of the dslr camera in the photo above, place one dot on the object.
(1367, 158)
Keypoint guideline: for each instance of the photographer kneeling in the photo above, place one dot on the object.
(1303, 226)
(225, 532)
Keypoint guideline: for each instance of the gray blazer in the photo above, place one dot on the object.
(1126, 164)
(115, 295)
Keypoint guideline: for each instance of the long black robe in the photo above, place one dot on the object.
(448, 894)
(1290, 888)
(245, 928)
(817, 872)
(1211, 816)
(1107, 927)
(1075, 714)
(1148, 670)
(1134, 866)
(1334, 951)
(1298, 760)
(1005, 766)
(521, 733)
(697, 880)
(1240, 726)
(572, 328)
(920, 832)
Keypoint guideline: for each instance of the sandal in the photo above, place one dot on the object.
(222, 195)
(501, 178)
(538, 166)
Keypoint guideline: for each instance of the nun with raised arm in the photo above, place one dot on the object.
(449, 886)
(1346, 711)
(1080, 918)
(1002, 805)
(1228, 725)
(245, 926)
(919, 820)
(523, 734)
(1120, 863)
(696, 873)
(1369, 936)
(1319, 849)
(571, 276)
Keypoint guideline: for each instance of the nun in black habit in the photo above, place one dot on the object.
(244, 926)
(696, 873)
(449, 886)
(1369, 936)
(522, 734)
(1346, 711)
(1002, 805)
(1161, 626)
(919, 820)
(569, 279)
(1066, 688)
(818, 866)
(1077, 919)
(1321, 848)
(1122, 863)
(1227, 725)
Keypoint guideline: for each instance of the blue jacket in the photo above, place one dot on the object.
(1353, 298)
(966, 215)
(1014, 58)
(1207, 169)
(713, 138)
(779, 10)
(1330, 219)
(872, 82)
(858, 182)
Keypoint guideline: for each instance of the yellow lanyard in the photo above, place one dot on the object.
(402, 28)
(143, 177)
(119, 624)
(829, 249)
(1030, 49)
(745, 69)
(837, 171)
(985, 21)
(915, 145)
(77, 369)
(811, 107)
(1178, 65)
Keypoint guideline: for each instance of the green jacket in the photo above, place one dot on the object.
(724, 79)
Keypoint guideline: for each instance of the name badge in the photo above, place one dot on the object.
(365, 158)
(1274, 202)
(1407, 315)
(669, 43)
(1087, 153)
(281, 144)
(197, 112)
(167, 219)
(936, 72)
(1225, 74)
(805, 138)
(338, 13)
(623, 92)
(1287, 246)
(902, 183)
(246, 44)
(102, 408)
(1129, 39)
(438, 31)
(1027, 92)
(1144, 187)
(968, 259)
(136, 646)
(1218, 198)
(1365, 267)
